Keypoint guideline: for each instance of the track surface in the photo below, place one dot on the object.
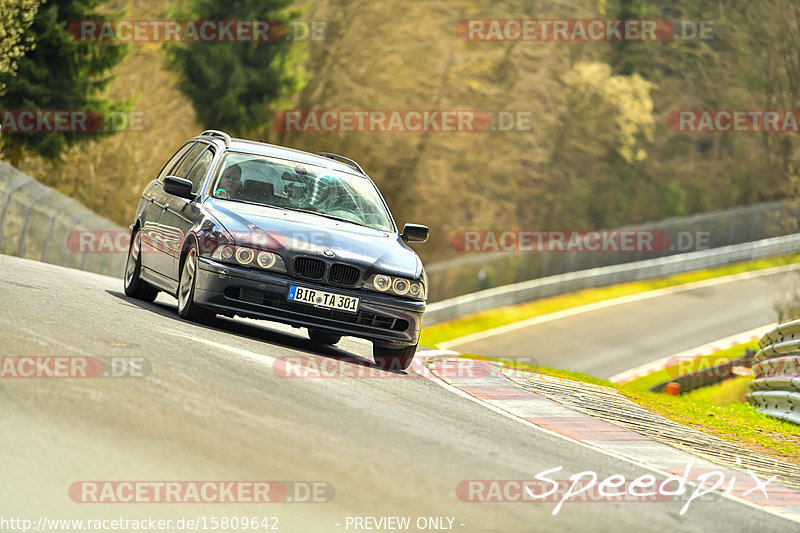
(610, 340)
(212, 408)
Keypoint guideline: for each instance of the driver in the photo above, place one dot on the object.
(230, 183)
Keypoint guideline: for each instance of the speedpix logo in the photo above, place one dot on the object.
(587, 486)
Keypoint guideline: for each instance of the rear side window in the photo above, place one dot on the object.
(200, 170)
(174, 161)
(186, 163)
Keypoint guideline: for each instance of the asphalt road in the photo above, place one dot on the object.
(610, 340)
(213, 408)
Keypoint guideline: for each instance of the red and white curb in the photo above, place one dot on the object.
(483, 382)
(694, 353)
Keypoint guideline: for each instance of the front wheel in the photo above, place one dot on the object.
(393, 358)
(135, 287)
(186, 290)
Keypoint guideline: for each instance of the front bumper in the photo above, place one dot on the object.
(231, 290)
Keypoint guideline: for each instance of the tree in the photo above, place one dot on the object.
(236, 86)
(59, 73)
(16, 16)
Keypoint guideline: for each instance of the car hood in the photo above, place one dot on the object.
(292, 233)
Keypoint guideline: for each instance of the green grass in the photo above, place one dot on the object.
(715, 409)
(728, 392)
(734, 422)
(685, 367)
(434, 335)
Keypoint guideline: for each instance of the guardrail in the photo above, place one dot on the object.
(528, 291)
(477, 271)
(36, 222)
(776, 389)
(708, 376)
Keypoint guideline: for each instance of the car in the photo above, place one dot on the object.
(235, 227)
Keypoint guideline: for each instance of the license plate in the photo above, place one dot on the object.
(324, 299)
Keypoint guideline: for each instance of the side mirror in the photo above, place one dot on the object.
(415, 233)
(179, 187)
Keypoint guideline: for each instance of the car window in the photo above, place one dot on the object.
(200, 169)
(302, 187)
(188, 160)
(174, 161)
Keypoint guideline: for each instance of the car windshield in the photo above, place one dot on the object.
(301, 187)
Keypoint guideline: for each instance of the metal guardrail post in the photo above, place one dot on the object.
(776, 390)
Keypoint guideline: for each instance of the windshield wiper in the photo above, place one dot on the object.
(326, 215)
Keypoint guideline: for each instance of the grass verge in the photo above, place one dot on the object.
(687, 366)
(715, 409)
(433, 335)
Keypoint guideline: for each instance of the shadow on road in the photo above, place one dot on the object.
(262, 333)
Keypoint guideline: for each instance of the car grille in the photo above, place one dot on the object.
(309, 268)
(343, 275)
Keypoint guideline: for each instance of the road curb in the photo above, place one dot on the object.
(484, 382)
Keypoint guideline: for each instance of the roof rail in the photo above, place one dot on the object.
(343, 159)
(220, 134)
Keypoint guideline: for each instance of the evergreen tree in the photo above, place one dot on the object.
(60, 73)
(236, 86)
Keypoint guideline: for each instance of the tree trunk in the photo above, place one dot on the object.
(16, 152)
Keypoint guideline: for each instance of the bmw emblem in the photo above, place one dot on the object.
(329, 253)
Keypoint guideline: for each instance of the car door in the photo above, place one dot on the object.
(154, 199)
(165, 241)
(182, 214)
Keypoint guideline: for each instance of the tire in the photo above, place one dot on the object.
(393, 358)
(187, 309)
(135, 287)
(323, 337)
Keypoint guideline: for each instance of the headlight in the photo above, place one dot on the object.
(381, 282)
(398, 286)
(416, 290)
(266, 259)
(243, 256)
(225, 252)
